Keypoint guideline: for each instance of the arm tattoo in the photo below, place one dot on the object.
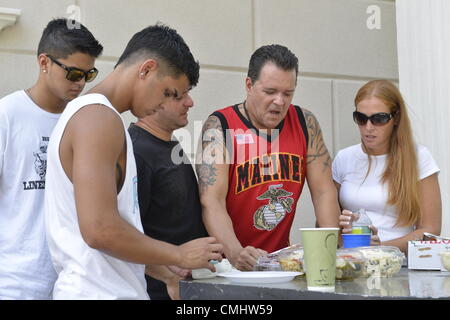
(210, 154)
(316, 148)
(206, 176)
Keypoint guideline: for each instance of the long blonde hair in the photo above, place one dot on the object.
(401, 171)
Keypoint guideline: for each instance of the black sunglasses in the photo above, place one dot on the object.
(75, 74)
(377, 119)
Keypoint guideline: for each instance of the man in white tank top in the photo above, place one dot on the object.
(93, 223)
(27, 118)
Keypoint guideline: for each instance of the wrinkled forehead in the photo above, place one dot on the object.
(177, 85)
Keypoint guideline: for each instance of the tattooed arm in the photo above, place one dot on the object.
(212, 170)
(318, 175)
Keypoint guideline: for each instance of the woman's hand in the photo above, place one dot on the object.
(346, 220)
(345, 223)
(374, 239)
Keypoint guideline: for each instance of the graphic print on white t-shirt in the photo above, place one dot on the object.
(26, 271)
(40, 166)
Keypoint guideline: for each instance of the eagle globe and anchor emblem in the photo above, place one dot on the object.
(268, 216)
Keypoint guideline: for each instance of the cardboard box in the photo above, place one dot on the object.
(424, 255)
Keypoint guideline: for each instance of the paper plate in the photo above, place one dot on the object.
(260, 277)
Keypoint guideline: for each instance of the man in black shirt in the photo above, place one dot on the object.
(167, 187)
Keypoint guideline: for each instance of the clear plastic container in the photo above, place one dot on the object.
(267, 264)
(349, 264)
(287, 259)
(292, 260)
(381, 261)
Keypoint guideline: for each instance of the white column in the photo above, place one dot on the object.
(423, 39)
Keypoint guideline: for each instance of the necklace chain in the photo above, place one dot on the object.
(244, 104)
(246, 113)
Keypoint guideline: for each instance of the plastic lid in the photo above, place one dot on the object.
(386, 249)
(349, 255)
(289, 258)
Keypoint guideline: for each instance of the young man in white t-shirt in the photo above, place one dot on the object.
(66, 56)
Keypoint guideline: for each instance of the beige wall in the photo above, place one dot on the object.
(336, 49)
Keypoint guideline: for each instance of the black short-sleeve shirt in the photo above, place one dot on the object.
(168, 195)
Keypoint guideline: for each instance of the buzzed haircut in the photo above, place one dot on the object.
(166, 46)
(63, 37)
(279, 55)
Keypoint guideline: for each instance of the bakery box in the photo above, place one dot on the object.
(424, 255)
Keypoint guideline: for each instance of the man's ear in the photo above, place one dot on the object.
(248, 84)
(147, 67)
(43, 62)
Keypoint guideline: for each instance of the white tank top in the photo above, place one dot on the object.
(84, 272)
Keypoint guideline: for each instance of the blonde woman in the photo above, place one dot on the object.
(387, 174)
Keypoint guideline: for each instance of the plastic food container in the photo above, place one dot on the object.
(287, 259)
(292, 260)
(350, 264)
(445, 258)
(381, 261)
(267, 264)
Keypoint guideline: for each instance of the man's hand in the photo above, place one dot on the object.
(374, 239)
(170, 275)
(173, 288)
(196, 254)
(247, 258)
(182, 273)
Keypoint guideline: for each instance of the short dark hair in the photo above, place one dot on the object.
(63, 37)
(281, 56)
(165, 45)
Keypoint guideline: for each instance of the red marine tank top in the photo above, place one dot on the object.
(266, 176)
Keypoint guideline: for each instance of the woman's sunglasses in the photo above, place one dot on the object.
(377, 119)
(75, 74)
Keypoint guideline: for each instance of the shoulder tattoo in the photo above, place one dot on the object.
(317, 150)
(211, 152)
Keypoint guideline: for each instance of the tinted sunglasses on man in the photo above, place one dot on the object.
(76, 74)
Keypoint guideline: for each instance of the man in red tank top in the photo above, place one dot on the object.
(254, 160)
